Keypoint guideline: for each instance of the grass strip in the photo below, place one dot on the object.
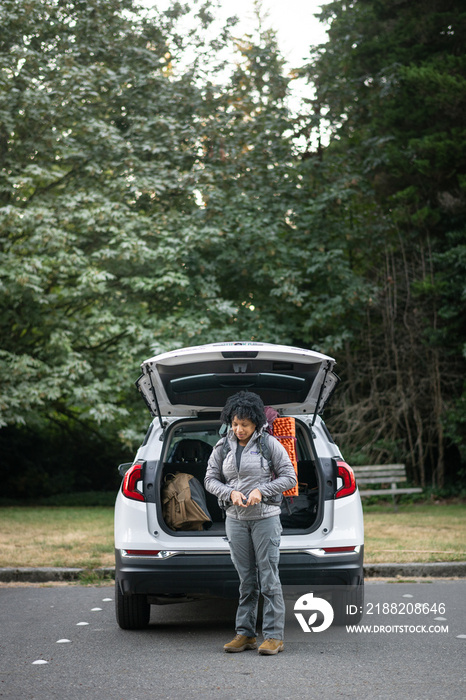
(82, 537)
(417, 532)
(79, 537)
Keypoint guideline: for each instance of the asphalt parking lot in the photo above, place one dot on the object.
(63, 642)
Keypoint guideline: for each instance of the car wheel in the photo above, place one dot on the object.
(132, 611)
(348, 605)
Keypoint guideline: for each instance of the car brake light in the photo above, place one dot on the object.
(337, 550)
(349, 482)
(132, 476)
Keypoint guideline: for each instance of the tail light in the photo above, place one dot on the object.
(349, 482)
(130, 482)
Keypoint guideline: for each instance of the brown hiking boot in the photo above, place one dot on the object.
(271, 646)
(241, 643)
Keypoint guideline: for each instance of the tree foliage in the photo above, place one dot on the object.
(155, 193)
(391, 85)
(101, 234)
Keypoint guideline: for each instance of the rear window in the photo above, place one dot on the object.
(192, 443)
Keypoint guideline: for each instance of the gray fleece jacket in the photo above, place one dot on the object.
(222, 476)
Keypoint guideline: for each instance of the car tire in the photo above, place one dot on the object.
(343, 614)
(132, 611)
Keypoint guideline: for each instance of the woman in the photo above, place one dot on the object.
(243, 478)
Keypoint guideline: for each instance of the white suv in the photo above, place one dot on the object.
(322, 543)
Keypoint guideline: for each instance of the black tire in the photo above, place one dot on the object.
(348, 605)
(132, 611)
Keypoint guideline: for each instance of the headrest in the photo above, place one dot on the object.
(190, 451)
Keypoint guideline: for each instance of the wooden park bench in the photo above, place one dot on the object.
(392, 474)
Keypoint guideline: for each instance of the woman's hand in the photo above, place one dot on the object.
(238, 499)
(254, 497)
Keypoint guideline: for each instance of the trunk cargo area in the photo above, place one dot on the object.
(188, 449)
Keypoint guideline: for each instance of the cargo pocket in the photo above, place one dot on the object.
(231, 553)
(274, 549)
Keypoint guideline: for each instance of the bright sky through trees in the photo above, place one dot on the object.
(294, 21)
(297, 27)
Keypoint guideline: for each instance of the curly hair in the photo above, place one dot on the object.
(244, 404)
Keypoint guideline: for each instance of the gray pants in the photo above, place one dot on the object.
(254, 549)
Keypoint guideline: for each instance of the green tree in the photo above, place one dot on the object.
(246, 185)
(390, 87)
(129, 174)
(99, 222)
(154, 193)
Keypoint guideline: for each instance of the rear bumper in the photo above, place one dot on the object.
(214, 574)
